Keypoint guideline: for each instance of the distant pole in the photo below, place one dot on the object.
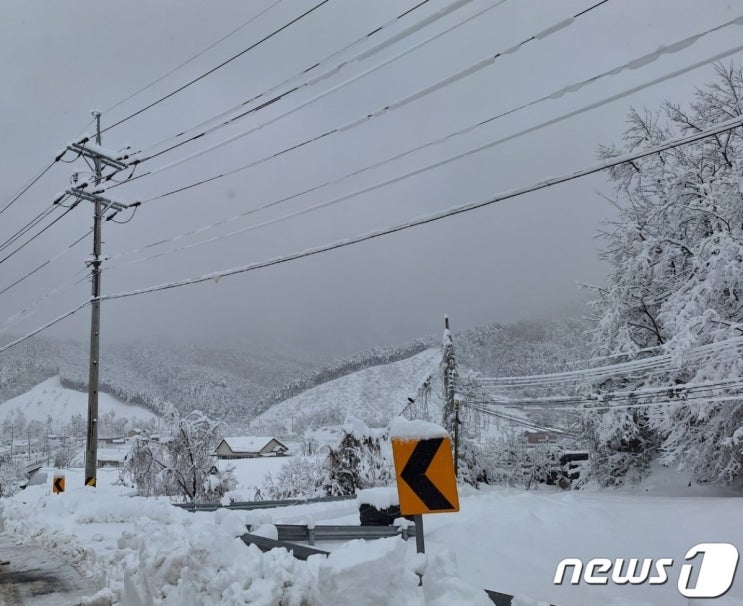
(450, 378)
(456, 436)
(91, 450)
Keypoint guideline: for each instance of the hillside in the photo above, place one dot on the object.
(64, 409)
(224, 383)
(372, 394)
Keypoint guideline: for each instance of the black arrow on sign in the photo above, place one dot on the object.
(59, 484)
(414, 473)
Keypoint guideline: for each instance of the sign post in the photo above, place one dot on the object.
(424, 468)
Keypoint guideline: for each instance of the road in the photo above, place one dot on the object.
(32, 576)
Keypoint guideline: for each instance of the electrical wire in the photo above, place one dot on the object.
(27, 227)
(330, 71)
(30, 309)
(39, 233)
(469, 71)
(403, 176)
(214, 69)
(719, 128)
(191, 59)
(333, 71)
(36, 331)
(26, 187)
(49, 261)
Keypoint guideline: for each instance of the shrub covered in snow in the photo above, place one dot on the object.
(12, 477)
(181, 463)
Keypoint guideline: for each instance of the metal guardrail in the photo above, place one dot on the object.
(301, 552)
(300, 532)
(261, 504)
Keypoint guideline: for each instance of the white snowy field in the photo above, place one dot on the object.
(374, 394)
(250, 474)
(145, 551)
(50, 399)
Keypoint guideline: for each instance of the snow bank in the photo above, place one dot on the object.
(381, 497)
(403, 429)
(143, 551)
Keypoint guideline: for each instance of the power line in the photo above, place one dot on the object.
(214, 69)
(28, 227)
(388, 107)
(665, 361)
(724, 126)
(26, 187)
(49, 261)
(39, 233)
(30, 309)
(406, 175)
(333, 71)
(192, 58)
(36, 331)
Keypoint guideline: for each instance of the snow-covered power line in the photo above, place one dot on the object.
(449, 80)
(215, 68)
(396, 178)
(678, 392)
(44, 327)
(192, 57)
(17, 196)
(664, 361)
(40, 232)
(49, 261)
(27, 227)
(558, 93)
(724, 126)
(23, 314)
(310, 74)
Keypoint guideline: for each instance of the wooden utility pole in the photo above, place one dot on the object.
(91, 449)
(451, 407)
(100, 158)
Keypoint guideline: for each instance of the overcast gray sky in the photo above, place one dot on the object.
(509, 261)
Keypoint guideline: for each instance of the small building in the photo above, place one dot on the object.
(541, 437)
(246, 447)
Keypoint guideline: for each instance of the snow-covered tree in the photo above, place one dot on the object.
(357, 462)
(12, 477)
(182, 463)
(676, 252)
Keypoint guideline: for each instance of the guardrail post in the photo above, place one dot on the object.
(311, 535)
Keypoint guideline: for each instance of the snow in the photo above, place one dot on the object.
(403, 429)
(374, 394)
(381, 497)
(51, 399)
(145, 551)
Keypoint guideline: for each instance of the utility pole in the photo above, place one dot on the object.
(456, 435)
(100, 158)
(451, 405)
(91, 450)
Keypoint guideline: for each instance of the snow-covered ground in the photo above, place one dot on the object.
(374, 394)
(50, 399)
(502, 539)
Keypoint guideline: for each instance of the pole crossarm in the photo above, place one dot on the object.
(96, 154)
(105, 202)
